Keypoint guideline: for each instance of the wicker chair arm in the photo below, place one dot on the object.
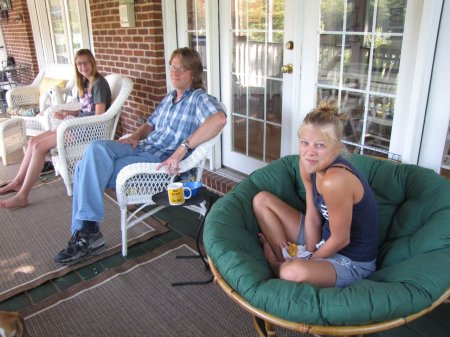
(50, 111)
(157, 179)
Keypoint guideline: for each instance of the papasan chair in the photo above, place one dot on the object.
(412, 275)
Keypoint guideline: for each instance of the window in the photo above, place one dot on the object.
(359, 59)
(65, 26)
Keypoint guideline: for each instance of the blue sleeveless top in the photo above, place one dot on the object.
(363, 244)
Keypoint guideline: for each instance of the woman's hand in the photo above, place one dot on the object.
(60, 114)
(64, 113)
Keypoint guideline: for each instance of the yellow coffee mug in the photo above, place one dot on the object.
(176, 193)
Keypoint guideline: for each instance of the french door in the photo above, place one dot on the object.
(279, 58)
(61, 27)
(260, 52)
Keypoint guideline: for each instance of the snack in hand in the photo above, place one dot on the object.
(292, 249)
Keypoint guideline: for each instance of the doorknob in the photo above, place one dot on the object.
(287, 69)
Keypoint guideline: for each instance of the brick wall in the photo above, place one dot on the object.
(134, 52)
(18, 36)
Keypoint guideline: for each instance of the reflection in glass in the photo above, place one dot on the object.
(272, 148)
(196, 14)
(239, 134)
(256, 139)
(359, 60)
(329, 59)
(58, 30)
(379, 121)
(75, 24)
(352, 103)
(239, 102)
(274, 101)
(257, 57)
(390, 15)
(256, 102)
(256, 14)
(196, 33)
(385, 65)
(331, 15)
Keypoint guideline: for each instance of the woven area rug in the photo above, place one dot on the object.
(139, 301)
(30, 237)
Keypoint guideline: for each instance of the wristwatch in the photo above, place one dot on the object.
(185, 143)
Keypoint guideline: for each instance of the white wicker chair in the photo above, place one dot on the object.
(137, 183)
(75, 134)
(29, 95)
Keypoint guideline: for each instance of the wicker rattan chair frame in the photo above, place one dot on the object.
(265, 323)
(29, 95)
(137, 183)
(74, 135)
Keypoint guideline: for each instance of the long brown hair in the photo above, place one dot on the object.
(192, 60)
(80, 79)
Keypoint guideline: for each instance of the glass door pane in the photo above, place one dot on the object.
(66, 28)
(196, 31)
(75, 33)
(58, 30)
(257, 54)
(359, 58)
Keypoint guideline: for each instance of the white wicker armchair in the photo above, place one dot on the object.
(30, 95)
(137, 183)
(75, 134)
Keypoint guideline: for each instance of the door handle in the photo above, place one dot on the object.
(287, 68)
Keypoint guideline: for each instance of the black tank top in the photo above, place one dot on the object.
(363, 244)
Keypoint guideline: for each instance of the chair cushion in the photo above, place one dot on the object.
(47, 83)
(24, 110)
(414, 250)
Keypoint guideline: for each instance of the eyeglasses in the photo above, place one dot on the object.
(180, 70)
(79, 64)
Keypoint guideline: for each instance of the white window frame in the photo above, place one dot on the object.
(422, 22)
(438, 111)
(42, 32)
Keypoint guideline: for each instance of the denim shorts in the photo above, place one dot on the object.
(347, 270)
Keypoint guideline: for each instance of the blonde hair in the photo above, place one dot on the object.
(80, 79)
(190, 58)
(327, 117)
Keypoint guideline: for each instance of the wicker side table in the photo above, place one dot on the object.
(12, 136)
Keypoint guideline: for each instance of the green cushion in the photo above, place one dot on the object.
(413, 262)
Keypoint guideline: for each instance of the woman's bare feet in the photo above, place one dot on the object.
(11, 187)
(15, 201)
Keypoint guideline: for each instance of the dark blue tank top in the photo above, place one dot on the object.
(363, 244)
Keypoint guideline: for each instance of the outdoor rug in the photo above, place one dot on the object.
(139, 300)
(31, 236)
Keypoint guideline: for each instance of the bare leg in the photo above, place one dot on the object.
(30, 169)
(272, 259)
(278, 221)
(316, 272)
(16, 184)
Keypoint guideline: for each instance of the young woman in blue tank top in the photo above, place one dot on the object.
(340, 225)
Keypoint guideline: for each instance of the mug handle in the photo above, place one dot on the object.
(184, 191)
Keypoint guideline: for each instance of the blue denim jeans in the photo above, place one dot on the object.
(98, 170)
